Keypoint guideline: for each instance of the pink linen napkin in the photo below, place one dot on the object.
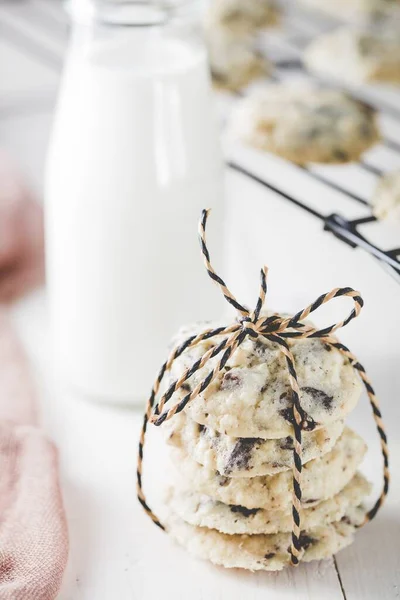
(21, 234)
(33, 529)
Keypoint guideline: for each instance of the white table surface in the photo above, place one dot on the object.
(116, 552)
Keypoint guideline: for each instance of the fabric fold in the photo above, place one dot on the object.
(33, 528)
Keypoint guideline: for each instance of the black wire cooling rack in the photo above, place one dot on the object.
(286, 49)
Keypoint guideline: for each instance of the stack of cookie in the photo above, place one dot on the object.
(233, 452)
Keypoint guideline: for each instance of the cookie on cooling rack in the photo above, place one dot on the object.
(202, 511)
(234, 62)
(243, 17)
(268, 552)
(322, 478)
(354, 9)
(246, 457)
(386, 198)
(306, 124)
(251, 397)
(355, 56)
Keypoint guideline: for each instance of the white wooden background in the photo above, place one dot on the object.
(116, 553)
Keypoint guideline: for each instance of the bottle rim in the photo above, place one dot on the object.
(129, 13)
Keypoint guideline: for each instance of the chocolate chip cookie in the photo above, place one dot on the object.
(251, 397)
(303, 123)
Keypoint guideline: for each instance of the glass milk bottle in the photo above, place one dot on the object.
(133, 158)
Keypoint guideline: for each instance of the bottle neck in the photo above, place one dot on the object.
(134, 13)
(135, 35)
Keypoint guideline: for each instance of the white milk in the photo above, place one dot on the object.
(133, 159)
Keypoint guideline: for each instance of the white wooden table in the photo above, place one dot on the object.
(116, 552)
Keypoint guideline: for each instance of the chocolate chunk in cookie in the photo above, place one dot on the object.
(231, 380)
(308, 423)
(240, 456)
(242, 510)
(319, 397)
(287, 443)
(306, 540)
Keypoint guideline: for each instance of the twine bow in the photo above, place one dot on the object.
(276, 329)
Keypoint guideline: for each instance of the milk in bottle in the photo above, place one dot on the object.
(133, 158)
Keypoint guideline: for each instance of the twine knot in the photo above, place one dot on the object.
(250, 328)
(277, 329)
